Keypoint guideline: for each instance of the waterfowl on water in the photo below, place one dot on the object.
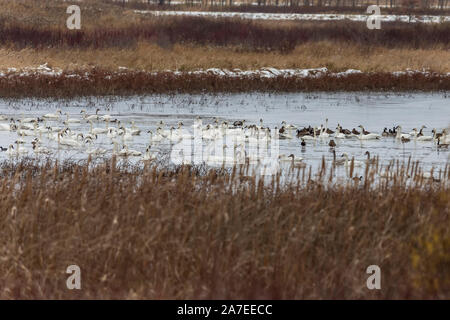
(356, 163)
(53, 116)
(405, 140)
(239, 123)
(148, 156)
(441, 145)
(90, 117)
(366, 135)
(332, 144)
(369, 159)
(400, 135)
(355, 132)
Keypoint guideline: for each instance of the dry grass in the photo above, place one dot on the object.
(193, 233)
(152, 57)
(34, 33)
(98, 82)
(100, 13)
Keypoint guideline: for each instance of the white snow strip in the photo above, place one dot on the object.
(235, 73)
(298, 16)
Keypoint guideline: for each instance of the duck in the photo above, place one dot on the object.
(239, 123)
(344, 131)
(311, 137)
(355, 132)
(332, 144)
(405, 140)
(303, 143)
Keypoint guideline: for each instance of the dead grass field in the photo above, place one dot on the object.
(34, 33)
(152, 57)
(193, 233)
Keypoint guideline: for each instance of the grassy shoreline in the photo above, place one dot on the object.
(193, 234)
(99, 83)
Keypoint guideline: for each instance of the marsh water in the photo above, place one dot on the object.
(374, 111)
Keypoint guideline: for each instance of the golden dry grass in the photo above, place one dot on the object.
(189, 233)
(151, 57)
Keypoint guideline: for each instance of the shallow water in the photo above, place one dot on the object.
(372, 110)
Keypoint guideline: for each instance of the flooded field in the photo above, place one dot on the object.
(136, 116)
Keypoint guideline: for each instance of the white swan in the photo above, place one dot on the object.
(67, 141)
(356, 163)
(40, 150)
(400, 134)
(53, 116)
(93, 130)
(7, 127)
(148, 156)
(125, 152)
(421, 138)
(90, 117)
(338, 134)
(71, 120)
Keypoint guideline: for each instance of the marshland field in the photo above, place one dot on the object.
(238, 150)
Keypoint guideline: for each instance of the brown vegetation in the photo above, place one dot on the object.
(245, 35)
(192, 233)
(100, 82)
(152, 57)
(111, 36)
